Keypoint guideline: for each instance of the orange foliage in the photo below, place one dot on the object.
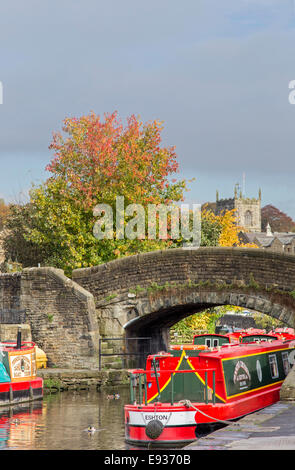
(229, 235)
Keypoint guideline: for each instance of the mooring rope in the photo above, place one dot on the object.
(188, 404)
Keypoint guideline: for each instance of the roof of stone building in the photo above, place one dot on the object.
(285, 239)
(252, 235)
(266, 240)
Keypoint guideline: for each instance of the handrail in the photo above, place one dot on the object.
(138, 373)
(157, 380)
(150, 371)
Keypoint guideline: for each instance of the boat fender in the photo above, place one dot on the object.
(154, 429)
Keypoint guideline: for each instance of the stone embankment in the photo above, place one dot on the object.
(81, 379)
(287, 392)
(272, 428)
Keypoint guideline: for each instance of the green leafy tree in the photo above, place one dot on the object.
(17, 247)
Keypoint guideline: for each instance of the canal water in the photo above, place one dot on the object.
(60, 422)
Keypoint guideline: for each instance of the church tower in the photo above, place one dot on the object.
(248, 210)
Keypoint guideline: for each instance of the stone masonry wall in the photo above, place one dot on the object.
(61, 315)
(10, 285)
(181, 265)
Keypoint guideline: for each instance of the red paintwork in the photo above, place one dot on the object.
(11, 345)
(4, 419)
(25, 385)
(137, 435)
(207, 361)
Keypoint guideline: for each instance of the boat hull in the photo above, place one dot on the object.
(184, 424)
(178, 422)
(12, 393)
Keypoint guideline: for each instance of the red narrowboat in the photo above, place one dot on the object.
(194, 387)
(18, 380)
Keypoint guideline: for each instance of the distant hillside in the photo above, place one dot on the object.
(278, 220)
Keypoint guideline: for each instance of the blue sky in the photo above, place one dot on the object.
(216, 73)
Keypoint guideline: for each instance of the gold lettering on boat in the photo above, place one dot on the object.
(242, 375)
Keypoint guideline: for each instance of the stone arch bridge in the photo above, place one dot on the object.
(145, 294)
(142, 296)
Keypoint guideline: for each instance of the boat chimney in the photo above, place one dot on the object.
(19, 338)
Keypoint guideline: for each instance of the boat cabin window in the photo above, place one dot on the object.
(286, 363)
(273, 366)
(212, 342)
(257, 338)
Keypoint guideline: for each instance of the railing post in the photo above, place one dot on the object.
(140, 389)
(172, 389)
(145, 390)
(131, 389)
(214, 397)
(206, 388)
(99, 353)
(156, 374)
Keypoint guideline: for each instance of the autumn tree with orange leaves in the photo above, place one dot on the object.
(101, 159)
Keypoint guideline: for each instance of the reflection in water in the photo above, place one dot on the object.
(60, 421)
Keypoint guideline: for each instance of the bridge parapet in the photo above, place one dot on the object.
(182, 265)
(146, 294)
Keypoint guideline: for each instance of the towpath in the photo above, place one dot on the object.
(272, 428)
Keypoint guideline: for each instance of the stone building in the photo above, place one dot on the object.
(248, 210)
(277, 241)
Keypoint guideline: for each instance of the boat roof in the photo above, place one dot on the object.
(211, 334)
(245, 349)
(12, 345)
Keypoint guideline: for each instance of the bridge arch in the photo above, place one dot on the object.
(158, 312)
(145, 294)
